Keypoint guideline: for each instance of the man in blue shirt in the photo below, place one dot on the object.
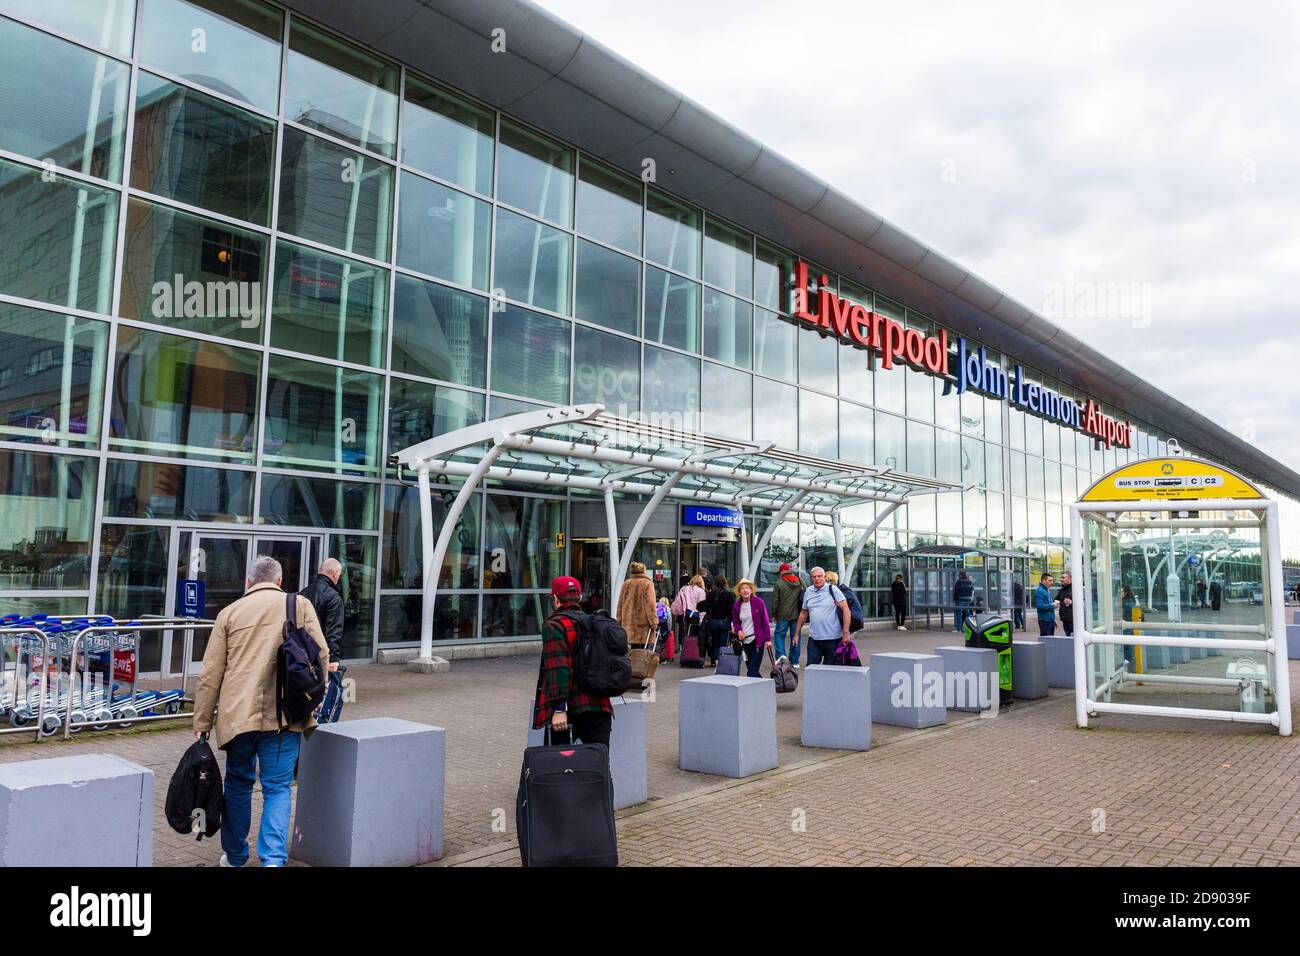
(1045, 606)
(827, 612)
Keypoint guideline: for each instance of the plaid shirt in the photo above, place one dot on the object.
(555, 681)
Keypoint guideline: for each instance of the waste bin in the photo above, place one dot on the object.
(993, 630)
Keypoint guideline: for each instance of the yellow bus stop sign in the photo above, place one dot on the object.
(1171, 479)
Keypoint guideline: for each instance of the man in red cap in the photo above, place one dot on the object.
(787, 602)
(560, 700)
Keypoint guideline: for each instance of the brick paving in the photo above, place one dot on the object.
(1025, 788)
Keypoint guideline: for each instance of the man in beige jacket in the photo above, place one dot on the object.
(238, 683)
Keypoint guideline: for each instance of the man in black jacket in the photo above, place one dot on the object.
(1066, 596)
(325, 597)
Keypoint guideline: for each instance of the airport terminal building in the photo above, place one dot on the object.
(255, 250)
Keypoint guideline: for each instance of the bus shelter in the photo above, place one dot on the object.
(932, 569)
(583, 449)
(1162, 653)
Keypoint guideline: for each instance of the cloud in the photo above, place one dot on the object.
(1107, 142)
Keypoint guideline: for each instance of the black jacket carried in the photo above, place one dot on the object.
(195, 799)
(328, 602)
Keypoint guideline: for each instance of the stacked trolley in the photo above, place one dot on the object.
(70, 673)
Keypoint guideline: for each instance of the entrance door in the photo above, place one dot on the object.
(716, 557)
(222, 561)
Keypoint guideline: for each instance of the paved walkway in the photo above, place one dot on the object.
(1026, 787)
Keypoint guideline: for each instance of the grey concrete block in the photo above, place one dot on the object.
(1028, 670)
(836, 707)
(1154, 658)
(370, 793)
(627, 763)
(1179, 655)
(1293, 641)
(970, 679)
(79, 811)
(1060, 660)
(428, 665)
(907, 689)
(727, 725)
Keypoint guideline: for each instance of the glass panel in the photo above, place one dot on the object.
(730, 408)
(47, 605)
(776, 346)
(201, 151)
(920, 394)
(317, 502)
(776, 413)
(607, 369)
(439, 332)
(520, 542)
(322, 416)
(418, 411)
(728, 328)
(60, 103)
(289, 554)
(143, 489)
(857, 434)
(608, 288)
(856, 376)
(42, 221)
(455, 617)
(443, 232)
(134, 576)
(231, 46)
(819, 361)
(105, 23)
(672, 233)
(48, 503)
(948, 457)
(818, 424)
(190, 273)
(328, 306)
(335, 196)
(51, 377)
(447, 137)
(403, 558)
(773, 277)
(179, 396)
(530, 354)
(728, 258)
(331, 85)
(514, 615)
(609, 206)
(357, 585)
(532, 262)
(671, 389)
(891, 442)
(672, 310)
(535, 174)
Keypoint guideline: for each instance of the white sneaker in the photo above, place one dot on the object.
(902, 629)
(225, 861)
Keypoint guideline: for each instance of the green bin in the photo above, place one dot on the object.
(993, 630)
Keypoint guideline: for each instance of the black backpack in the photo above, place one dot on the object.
(195, 799)
(601, 665)
(299, 676)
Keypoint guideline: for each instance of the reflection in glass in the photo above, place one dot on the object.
(328, 306)
(198, 150)
(299, 501)
(109, 24)
(142, 489)
(891, 442)
(607, 369)
(179, 396)
(530, 354)
(190, 273)
(672, 310)
(856, 376)
(439, 332)
(335, 196)
(672, 233)
(403, 558)
(819, 361)
(729, 410)
(532, 262)
(818, 424)
(357, 553)
(61, 103)
(535, 174)
(608, 288)
(520, 536)
(609, 206)
(728, 328)
(671, 390)
(133, 576)
(857, 434)
(446, 136)
(773, 277)
(48, 503)
(443, 232)
(776, 413)
(51, 377)
(418, 411)
(239, 52)
(728, 258)
(514, 615)
(776, 346)
(60, 239)
(331, 85)
(455, 617)
(322, 416)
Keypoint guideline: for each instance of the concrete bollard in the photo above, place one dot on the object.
(1060, 660)
(370, 793)
(907, 689)
(836, 707)
(1293, 640)
(80, 811)
(970, 678)
(1028, 670)
(627, 750)
(1154, 658)
(727, 725)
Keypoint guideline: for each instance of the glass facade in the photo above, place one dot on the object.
(249, 260)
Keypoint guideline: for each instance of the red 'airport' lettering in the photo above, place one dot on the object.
(853, 323)
(1107, 429)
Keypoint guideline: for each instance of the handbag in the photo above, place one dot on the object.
(784, 676)
(846, 655)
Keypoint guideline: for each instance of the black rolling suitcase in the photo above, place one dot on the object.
(564, 812)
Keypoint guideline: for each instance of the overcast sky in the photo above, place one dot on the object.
(1146, 151)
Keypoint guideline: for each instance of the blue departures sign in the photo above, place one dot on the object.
(711, 517)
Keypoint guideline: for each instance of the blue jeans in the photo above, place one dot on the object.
(332, 706)
(960, 614)
(753, 658)
(273, 757)
(782, 628)
(821, 651)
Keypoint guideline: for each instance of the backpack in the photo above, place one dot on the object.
(856, 621)
(194, 796)
(299, 676)
(601, 665)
